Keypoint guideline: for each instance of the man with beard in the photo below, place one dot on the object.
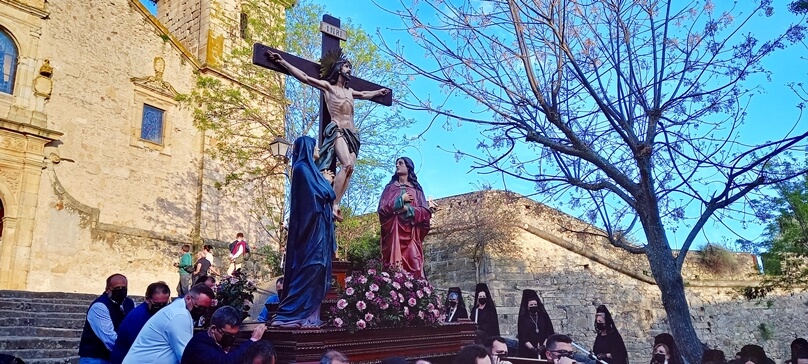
(340, 138)
(157, 295)
(534, 325)
(484, 312)
(163, 339)
(208, 347)
(455, 306)
(103, 319)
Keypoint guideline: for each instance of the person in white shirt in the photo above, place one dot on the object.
(163, 339)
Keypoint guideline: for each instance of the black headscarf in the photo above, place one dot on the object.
(488, 320)
(675, 357)
(799, 349)
(461, 312)
(528, 324)
(411, 177)
(611, 343)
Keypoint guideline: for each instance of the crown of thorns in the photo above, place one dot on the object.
(329, 60)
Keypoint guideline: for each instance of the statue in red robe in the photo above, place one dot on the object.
(404, 214)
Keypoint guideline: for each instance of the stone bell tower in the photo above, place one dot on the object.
(207, 28)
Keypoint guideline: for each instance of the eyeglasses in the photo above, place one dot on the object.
(565, 353)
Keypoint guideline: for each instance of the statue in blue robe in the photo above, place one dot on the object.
(311, 242)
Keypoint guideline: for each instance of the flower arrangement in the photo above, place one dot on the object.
(380, 297)
(237, 291)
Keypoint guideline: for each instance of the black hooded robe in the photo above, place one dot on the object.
(459, 312)
(528, 325)
(486, 319)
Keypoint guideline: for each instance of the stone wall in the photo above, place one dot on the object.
(574, 271)
(100, 199)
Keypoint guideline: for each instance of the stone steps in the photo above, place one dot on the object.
(42, 327)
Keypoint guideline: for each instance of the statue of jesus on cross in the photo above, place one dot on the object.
(340, 137)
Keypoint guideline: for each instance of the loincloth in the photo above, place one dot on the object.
(328, 155)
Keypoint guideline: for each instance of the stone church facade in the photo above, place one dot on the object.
(101, 169)
(528, 245)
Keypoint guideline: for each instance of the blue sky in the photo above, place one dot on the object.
(442, 175)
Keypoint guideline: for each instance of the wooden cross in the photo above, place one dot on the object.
(331, 42)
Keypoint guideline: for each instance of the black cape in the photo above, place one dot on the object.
(529, 324)
(460, 312)
(486, 319)
(612, 343)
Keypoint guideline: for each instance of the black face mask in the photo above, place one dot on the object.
(482, 301)
(227, 339)
(533, 309)
(452, 303)
(154, 307)
(600, 326)
(118, 295)
(197, 312)
(659, 358)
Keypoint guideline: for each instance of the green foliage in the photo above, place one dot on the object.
(270, 258)
(236, 291)
(364, 249)
(718, 259)
(785, 249)
(765, 332)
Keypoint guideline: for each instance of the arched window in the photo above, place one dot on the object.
(8, 62)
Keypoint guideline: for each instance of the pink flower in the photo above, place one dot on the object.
(385, 274)
(374, 287)
(430, 307)
(421, 314)
(411, 302)
(361, 305)
(408, 284)
(384, 306)
(393, 294)
(361, 324)
(419, 293)
(363, 279)
(406, 311)
(368, 316)
(369, 295)
(341, 304)
(338, 322)
(348, 279)
(427, 290)
(400, 298)
(399, 275)
(386, 280)
(349, 291)
(371, 272)
(396, 285)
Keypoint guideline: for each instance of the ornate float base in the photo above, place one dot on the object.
(435, 344)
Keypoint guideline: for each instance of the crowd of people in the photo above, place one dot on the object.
(537, 339)
(159, 331)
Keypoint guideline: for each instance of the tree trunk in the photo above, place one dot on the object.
(671, 285)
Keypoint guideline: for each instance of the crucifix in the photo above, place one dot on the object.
(338, 138)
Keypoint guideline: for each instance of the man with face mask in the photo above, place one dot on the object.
(164, 337)
(103, 318)
(209, 346)
(559, 349)
(157, 296)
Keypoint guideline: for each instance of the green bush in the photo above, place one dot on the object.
(364, 249)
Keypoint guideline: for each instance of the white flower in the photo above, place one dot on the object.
(385, 274)
(348, 279)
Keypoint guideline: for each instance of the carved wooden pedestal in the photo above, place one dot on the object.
(438, 345)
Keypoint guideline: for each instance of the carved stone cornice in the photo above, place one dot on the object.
(156, 83)
(37, 12)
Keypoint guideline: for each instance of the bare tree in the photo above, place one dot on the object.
(629, 110)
